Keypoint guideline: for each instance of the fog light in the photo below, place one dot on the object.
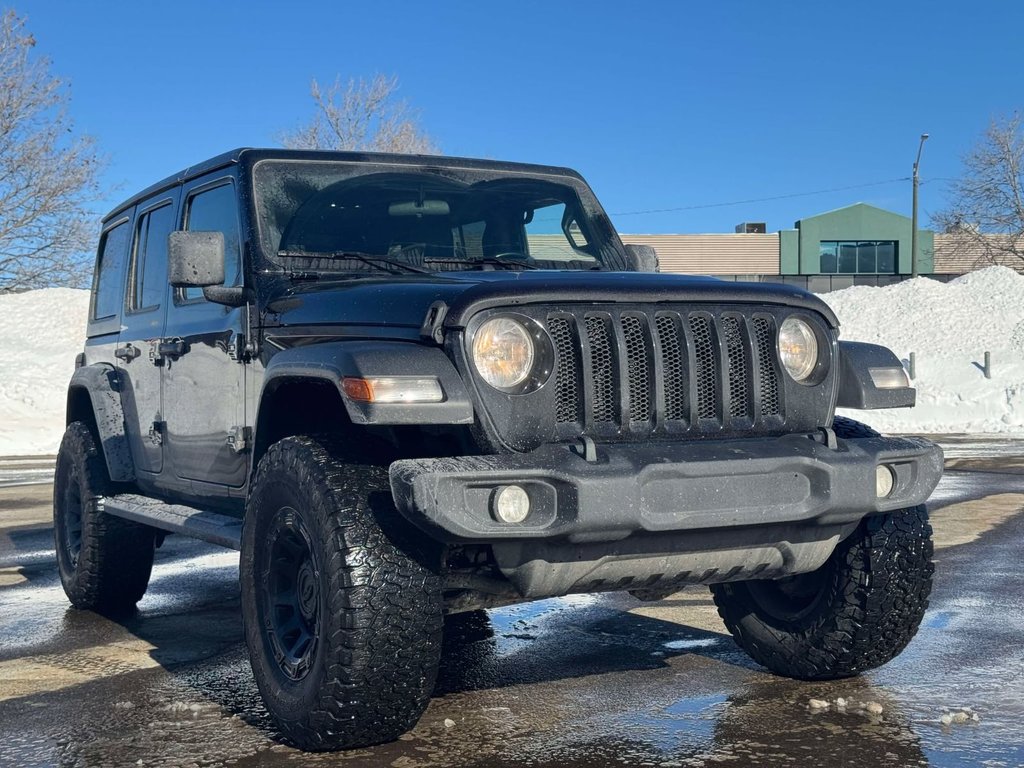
(511, 504)
(885, 480)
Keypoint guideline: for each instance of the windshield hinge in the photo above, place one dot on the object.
(433, 324)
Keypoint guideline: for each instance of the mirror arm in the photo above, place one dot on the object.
(228, 295)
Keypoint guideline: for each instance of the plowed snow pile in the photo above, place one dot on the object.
(948, 326)
(40, 334)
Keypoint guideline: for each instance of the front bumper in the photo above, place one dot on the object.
(696, 485)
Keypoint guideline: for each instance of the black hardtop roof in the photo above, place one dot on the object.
(250, 155)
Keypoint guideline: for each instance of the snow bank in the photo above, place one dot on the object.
(40, 334)
(949, 327)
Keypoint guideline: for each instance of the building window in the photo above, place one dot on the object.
(859, 257)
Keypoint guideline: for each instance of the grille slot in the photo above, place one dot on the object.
(705, 367)
(739, 389)
(673, 366)
(764, 338)
(630, 373)
(567, 379)
(637, 360)
(602, 368)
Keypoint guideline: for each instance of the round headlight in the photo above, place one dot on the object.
(503, 352)
(798, 348)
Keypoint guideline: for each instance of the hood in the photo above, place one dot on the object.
(402, 302)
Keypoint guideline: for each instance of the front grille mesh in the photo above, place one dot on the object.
(766, 367)
(705, 370)
(602, 369)
(673, 366)
(636, 358)
(567, 382)
(638, 372)
(739, 384)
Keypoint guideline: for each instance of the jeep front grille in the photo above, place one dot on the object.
(636, 372)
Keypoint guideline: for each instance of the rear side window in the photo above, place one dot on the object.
(148, 280)
(215, 210)
(109, 271)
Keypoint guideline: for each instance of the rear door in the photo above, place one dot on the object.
(204, 385)
(146, 298)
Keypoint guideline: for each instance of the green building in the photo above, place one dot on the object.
(859, 244)
(858, 241)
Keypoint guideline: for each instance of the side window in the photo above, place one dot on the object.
(150, 258)
(553, 236)
(109, 271)
(216, 210)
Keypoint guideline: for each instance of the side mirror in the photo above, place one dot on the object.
(642, 258)
(195, 259)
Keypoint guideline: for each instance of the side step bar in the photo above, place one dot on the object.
(177, 518)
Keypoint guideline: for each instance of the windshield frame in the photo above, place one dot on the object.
(610, 254)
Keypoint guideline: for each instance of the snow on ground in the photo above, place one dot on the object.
(40, 334)
(949, 327)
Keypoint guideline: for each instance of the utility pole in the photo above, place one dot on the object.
(913, 215)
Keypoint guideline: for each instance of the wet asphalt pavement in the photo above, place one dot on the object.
(581, 681)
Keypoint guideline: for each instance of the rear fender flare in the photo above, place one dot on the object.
(102, 384)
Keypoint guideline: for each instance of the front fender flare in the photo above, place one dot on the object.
(102, 384)
(856, 388)
(333, 361)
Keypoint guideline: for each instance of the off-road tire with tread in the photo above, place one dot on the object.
(104, 561)
(865, 605)
(376, 626)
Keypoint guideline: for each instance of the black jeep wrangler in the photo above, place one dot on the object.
(408, 386)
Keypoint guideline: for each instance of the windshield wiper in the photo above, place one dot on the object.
(380, 262)
(503, 263)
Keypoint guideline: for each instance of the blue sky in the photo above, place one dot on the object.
(659, 105)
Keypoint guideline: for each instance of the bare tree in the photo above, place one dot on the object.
(362, 115)
(986, 216)
(48, 177)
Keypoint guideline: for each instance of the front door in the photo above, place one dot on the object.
(141, 330)
(204, 372)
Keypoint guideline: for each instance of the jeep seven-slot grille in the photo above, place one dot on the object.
(637, 371)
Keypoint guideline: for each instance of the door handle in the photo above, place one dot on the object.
(127, 353)
(171, 349)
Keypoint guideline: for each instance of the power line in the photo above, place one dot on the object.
(762, 199)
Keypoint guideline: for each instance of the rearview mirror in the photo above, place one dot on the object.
(195, 259)
(642, 258)
(420, 208)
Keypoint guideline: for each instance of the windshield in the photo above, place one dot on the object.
(357, 217)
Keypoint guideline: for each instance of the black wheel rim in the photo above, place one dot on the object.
(71, 522)
(792, 598)
(291, 595)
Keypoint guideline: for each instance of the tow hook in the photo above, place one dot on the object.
(827, 437)
(586, 448)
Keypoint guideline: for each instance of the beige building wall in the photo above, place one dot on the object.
(715, 254)
(957, 254)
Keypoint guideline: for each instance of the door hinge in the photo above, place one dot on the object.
(241, 349)
(239, 439)
(156, 432)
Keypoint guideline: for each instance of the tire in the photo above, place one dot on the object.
(341, 605)
(849, 429)
(104, 561)
(857, 612)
